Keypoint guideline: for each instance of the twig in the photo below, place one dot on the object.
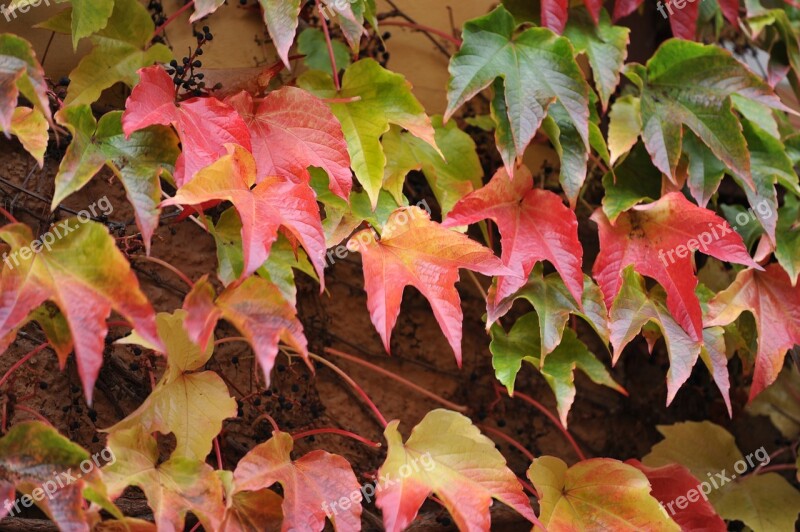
(22, 361)
(517, 445)
(172, 18)
(166, 265)
(425, 29)
(340, 432)
(328, 41)
(477, 285)
(34, 413)
(536, 404)
(399, 13)
(8, 215)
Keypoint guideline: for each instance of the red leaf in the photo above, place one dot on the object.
(534, 224)
(415, 251)
(730, 10)
(673, 481)
(313, 485)
(204, 125)
(272, 204)
(650, 237)
(554, 14)
(684, 21)
(290, 130)
(623, 8)
(594, 7)
(775, 303)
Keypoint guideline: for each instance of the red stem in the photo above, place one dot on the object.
(168, 266)
(327, 32)
(22, 361)
(340, 432)
(514, 443)
(270, 419)
(8, 215)
(777, 467)
(218, 452)
(401, 380)
(172, 18)
(421, 27)
(533, 402)
(353, 384)
(230, 340)
(34, 413)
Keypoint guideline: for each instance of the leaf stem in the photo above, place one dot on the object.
(271, 420)
(421, 27)
(539, 406)
(34, 413)
(777, 467)
(218, 453)
(353, 384)
(8, 215)
(340, 432)
(166, 265)
(514, 443)
(172, 18)
(22, 361)
(230, 340)
(329, 43)
(477, 284)
(401, 380)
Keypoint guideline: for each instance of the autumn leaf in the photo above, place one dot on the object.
(376, 98)
(674, 481)
(534, 225)
(173, 487)
(256, 308)
(624, 126)
(413, 250)
(658, 240)
(291, 130)
(765, 502)
(30, 127)
(775, 304)
(203, 8)
(30, 454)
(536, 66)
(313, 45)
(599, 493)
(86, 276)
(682, 20)
(446, 455)
(192, 406)
(138, 161)
(20, 73)
(249, 511)
(313, 485)
(204, 125)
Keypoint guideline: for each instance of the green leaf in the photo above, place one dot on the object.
(90, 16)
(30, 127)
(312, 44)
(281, 18)
(604, 44)
(536, 66)
(750, 230)
(20, 73)
(625, 126)
(523, 342)
(690, 84)
(138, 161)
(705, 169)
(572, 152)
(191, 406)
(634, 180)
(118, 52)
(787, 235)
(379, 98)
(763, 502)
(451, 178)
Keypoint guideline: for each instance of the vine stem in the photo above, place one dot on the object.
(397, 378)
(539, 406)
(777, 467)
(353, 384)
(230, 340)
(8, 215)
(218, 453)
(34, 413)
(421, 27)
(331, 54)
(771, 457)
(22, 361)
(517, 445)
(172, 18)
(340, 432)
(168, 266)
(271, 420)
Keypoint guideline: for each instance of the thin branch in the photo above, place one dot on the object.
(331, 54)
(339, 432)
(34, 413)
(514, 443)
(455, 41)
(539, 406)
(8, 215)
(172, 18)
(166, 265)
(22, 361)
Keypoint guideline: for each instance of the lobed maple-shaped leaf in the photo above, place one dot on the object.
(192, 406)
(30, 127)
(658, 240)
(173, 487)
(413, 250)
(204, 125)
(290, 130)
(672, 481)
(272, 204)
(86, 276)
(251, 511)
(20, 73)
(31, 454)
(762, 501)
(686, 84)
(313, 485)
(376, 98)
(523, 343)
(775, 304)
(596, 494)
(534, 225)
(536, 66)
(445, 455)
(138, 161)
(256, 308)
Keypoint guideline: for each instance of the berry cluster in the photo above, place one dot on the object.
(183, 73)
(158, 16)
